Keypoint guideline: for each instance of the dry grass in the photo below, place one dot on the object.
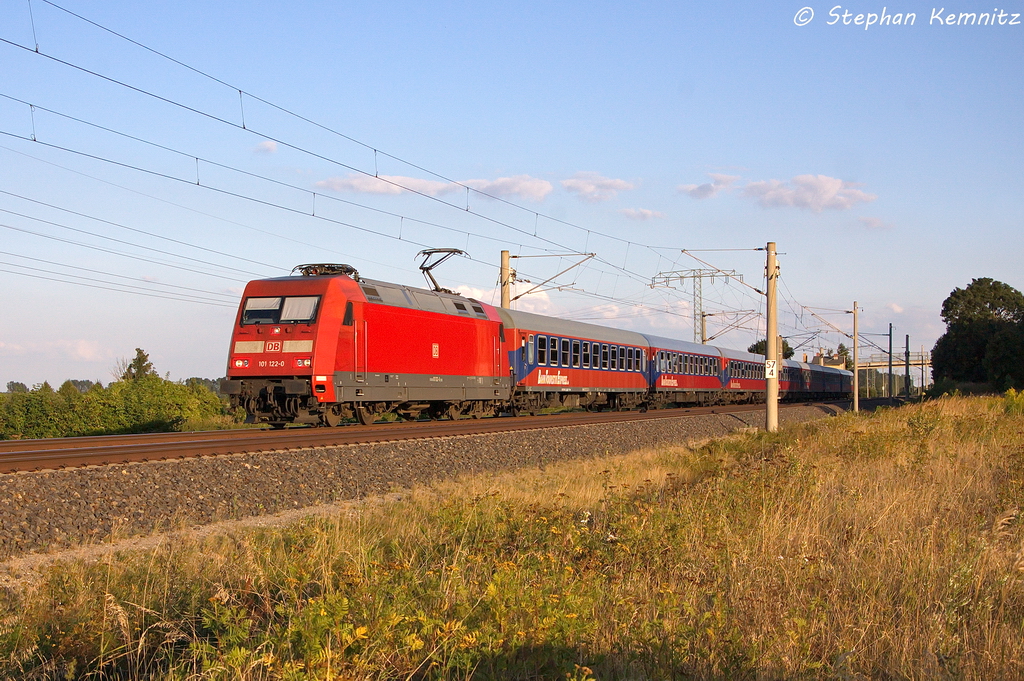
(884, 546)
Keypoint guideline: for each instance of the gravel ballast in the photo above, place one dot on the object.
(53, 510)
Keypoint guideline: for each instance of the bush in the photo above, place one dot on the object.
(141, 405)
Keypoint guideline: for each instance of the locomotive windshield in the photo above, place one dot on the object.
(272, 311)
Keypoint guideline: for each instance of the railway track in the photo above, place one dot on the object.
(57, 453)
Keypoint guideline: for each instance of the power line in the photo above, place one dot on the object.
(194, 110)
(258, 176)
(342, 135)
(123, 242)
(187, 208)
(118, 290)
(231, 296)
(113, 252)
(140, 231)
(268, 137)
(257, 201)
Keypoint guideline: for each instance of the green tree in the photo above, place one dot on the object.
(1004, 358)
(844, 352)
(138, 368)
(983, 335)
(16, 387)
(983, 300)
(761, 348)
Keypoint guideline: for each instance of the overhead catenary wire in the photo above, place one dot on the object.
(376, 151)
(230, 296)
(142, 231)
(118, 290)
(125, 243)
(187, 208)
(117, 253)
(243, 126)
(268, 137)
(248, 173)
(260, 202)
(180, 296)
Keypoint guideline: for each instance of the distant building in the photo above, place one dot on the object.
(834, 361)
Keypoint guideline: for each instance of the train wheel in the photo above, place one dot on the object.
(454, 412)
(364, 416)
(331, 417)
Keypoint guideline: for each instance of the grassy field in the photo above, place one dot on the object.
(870, 546)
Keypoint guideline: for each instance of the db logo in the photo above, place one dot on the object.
(273, 346)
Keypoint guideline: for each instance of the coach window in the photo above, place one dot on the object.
(614, 363)
(586, 355)
(629, 359)
(565, 352)
(604, 356)
(542, 350)
(529, 350)
(576, 353)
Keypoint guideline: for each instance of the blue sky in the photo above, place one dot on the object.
(886, 163)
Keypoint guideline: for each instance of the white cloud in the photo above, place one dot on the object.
(266, 147)
(895, 308)
(523, 186)
(813, 192)
(875, 223)
(593, 188)
(11, 348)
(708, 189)
(385, 184)
(641, 213)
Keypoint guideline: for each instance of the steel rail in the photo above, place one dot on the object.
(58, 453)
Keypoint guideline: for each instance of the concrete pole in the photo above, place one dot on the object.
(505, 280)
(906, 367)
(922, 372)
(889, 380)
(772, 343)
(856, 367)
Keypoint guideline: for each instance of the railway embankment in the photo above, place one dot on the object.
(885, 545)
(51, 510)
